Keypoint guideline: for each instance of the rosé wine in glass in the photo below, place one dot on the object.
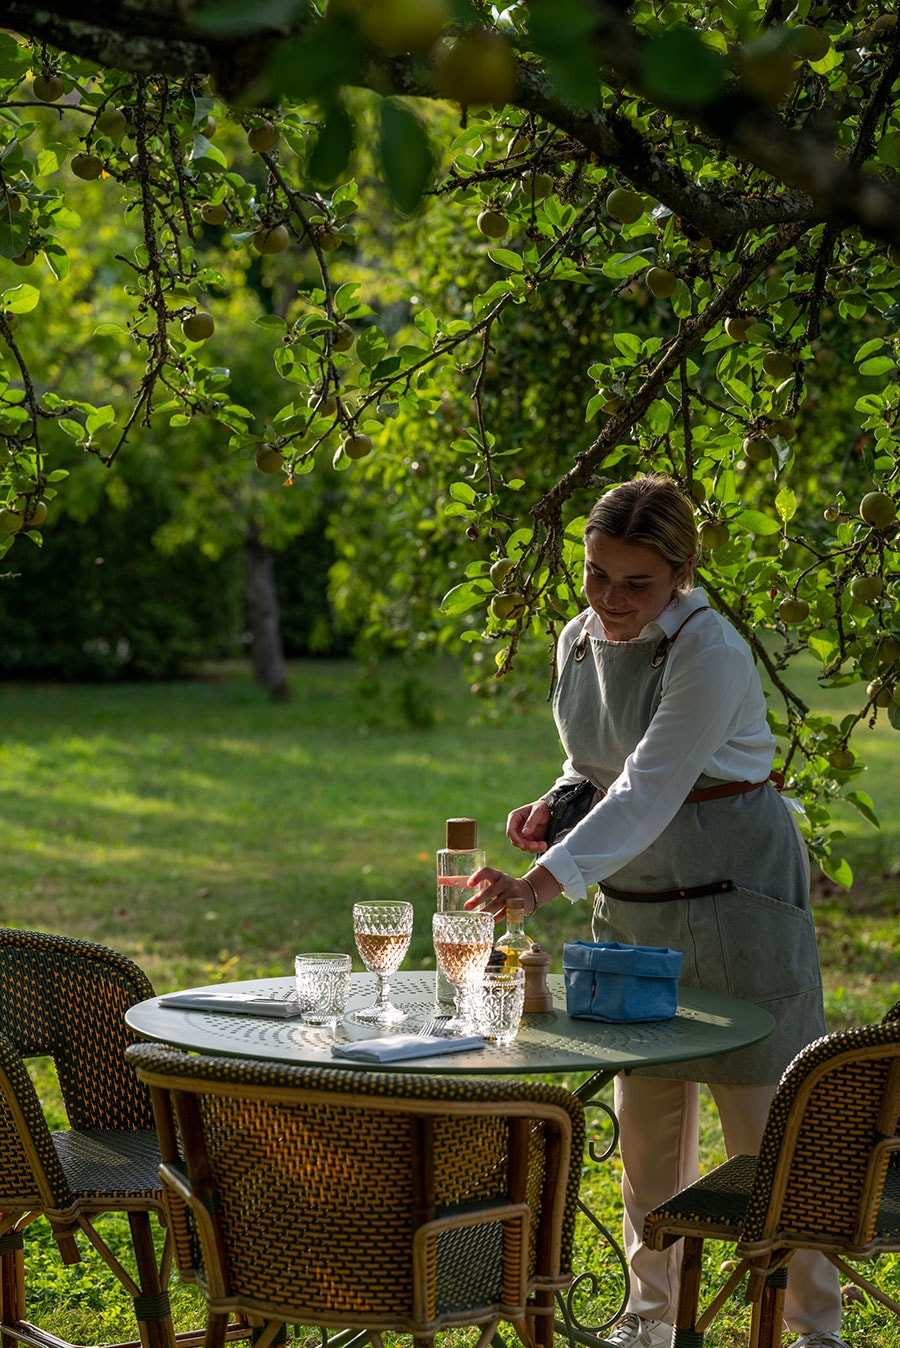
(382, 931)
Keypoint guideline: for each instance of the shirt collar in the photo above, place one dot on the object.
(674, 614)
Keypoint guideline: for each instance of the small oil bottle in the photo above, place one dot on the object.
(514, 941)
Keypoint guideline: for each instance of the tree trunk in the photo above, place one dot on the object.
(267, 651)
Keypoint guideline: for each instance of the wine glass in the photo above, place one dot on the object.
(382, 930)
(462, 944)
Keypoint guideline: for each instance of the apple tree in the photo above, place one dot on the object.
(511, 255)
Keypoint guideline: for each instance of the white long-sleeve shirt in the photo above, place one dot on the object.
(711, 720)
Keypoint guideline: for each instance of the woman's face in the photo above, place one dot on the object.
(627, 584)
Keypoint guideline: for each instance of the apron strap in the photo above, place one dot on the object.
(665, 645)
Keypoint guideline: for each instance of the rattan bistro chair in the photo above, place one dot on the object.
(66, 999)
(826, 1179)
(361, 1200)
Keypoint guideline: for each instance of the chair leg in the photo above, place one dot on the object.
(768, 1312)
(152, 1308)
(686, 1333)
(12, 1282)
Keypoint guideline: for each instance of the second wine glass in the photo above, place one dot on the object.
(382, 930)
(462, 944)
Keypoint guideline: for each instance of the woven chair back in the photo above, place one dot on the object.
(827, 1151)
(65, 999)
(320, 1179)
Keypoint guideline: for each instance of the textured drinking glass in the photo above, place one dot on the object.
(382, 931)
(323, 986)
(502, 999)
(462, 944)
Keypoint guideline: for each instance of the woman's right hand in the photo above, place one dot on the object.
(527, 825)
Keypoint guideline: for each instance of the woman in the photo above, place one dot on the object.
(659, 705)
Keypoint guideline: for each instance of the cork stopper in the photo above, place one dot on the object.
(462, 835)
(515, 907)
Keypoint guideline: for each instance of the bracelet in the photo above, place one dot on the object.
(533, 893)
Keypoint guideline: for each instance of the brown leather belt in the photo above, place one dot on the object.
(665, 895)
(732, 789)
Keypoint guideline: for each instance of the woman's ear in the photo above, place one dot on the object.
(684, 574)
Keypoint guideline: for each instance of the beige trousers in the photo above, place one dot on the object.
(659, 1122)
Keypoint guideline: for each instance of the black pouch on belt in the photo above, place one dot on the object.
(568, 806)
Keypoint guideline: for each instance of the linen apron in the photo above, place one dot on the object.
(758, 941)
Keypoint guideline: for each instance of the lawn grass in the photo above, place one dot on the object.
(209, 833)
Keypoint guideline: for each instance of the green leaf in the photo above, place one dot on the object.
(505, 257)
(14, 59)
(14, 231)
(331, 152)
(100, 417)
(21, 299)
(681, 71)
(867, 348)
(756, 522)
(470, 594)
(405, 153)
(786, 504)
(426, 322)
(461, 491)
(839, 871)
(371, 345)
(865, 805)
(877, 365)
(823, 648)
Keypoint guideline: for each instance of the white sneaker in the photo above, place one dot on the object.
(818, 1339)
(633, 1331)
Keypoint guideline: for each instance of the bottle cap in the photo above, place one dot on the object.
(516, 903)
(462, 835)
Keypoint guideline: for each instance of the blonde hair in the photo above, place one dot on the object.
(653, 511)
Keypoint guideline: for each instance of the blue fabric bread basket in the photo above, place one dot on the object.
(606, 980)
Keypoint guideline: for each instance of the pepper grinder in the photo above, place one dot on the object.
(538, 996)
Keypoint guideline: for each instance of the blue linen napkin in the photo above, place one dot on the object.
(395, 1046)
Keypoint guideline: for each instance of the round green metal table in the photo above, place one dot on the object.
(705, 1024)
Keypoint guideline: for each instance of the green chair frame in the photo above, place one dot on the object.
(343, 1198)
(66, 999)
(826, 1178)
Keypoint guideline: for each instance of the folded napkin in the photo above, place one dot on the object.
(246, 1002)
(396, 1046)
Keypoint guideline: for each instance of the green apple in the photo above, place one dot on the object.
(842, 758)
(492, 224)
(269, 459)
(48, 87)
(660, 282)
(213, 212)
(357, 445)
(878, 692)
(878, 509)
(713, 534)
(865, 589)
(736, 328)
(271, 239)
(777, 365)
(263, 137)
(624, 205)
(500, 570)
(793, 610)
(86, 166)
(511, 604)
(197, 326)
(758, 448)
